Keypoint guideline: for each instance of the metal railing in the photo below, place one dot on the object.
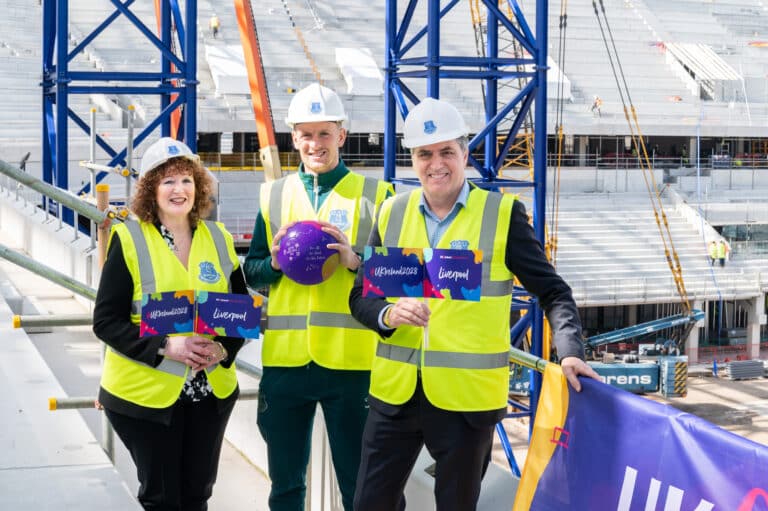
(63, 197)
(290, 160)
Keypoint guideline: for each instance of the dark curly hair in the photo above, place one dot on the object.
(144, 203)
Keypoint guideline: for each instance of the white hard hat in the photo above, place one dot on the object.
(315, 103)
(433, 121)
(162, 151)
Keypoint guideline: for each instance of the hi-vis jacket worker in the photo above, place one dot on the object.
(448, 391)
(314, 351)
(169, 398)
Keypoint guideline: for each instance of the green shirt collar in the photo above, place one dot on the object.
(325, 180)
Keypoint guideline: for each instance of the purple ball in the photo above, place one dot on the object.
(304, 256)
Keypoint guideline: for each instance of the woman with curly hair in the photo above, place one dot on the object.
(169, 398)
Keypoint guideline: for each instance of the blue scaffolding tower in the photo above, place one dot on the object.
(175, 82)
(401, 62)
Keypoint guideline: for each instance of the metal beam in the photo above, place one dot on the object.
(175, 82)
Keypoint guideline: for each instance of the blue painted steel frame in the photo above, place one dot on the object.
(176, 88)
(434, 67)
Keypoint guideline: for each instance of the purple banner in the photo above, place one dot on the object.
(607, 449)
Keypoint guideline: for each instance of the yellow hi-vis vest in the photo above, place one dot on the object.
(466, 364)
(155, 269)
(313, 323)
(721, 249)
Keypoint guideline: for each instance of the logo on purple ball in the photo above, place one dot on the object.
(304, 256)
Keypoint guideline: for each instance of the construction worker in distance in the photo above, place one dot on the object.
(214, 24)
(712, 252)
(447, 391)
(596, 104)
(314, 351)
(722, 252)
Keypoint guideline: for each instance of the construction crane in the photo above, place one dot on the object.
(687, 321)
(268, 153)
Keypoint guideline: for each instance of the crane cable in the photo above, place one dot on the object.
(638, 143)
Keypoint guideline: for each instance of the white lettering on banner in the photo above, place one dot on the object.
(231, 316)
(673, 502)
(383, 271)
(623, 379)
(443, 274)
(168, 312)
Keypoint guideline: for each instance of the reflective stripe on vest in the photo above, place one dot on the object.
(445, 359)
(396, 219)
(276, 205)
(276, 322)
(146, 272)
(485, 243)
(367, 207)
(398, 353)
(167, 365)
(227, 266)
(331, 319)
(488, 287)
(334, 319)
(454, 360)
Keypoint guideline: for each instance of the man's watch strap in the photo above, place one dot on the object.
(163, 344)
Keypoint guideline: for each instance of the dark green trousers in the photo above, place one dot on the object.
(288, 397)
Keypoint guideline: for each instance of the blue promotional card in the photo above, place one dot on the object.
(172, 312)
(453, 274)
(228, 315)
(393, 271)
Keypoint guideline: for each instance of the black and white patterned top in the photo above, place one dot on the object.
(197, 387)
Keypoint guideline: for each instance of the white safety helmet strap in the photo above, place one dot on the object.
(433, 121)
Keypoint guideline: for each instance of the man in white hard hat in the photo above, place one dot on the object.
(448, 391)
(314, 351)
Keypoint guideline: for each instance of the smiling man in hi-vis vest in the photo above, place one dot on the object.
(314, 350)
(449, 391)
